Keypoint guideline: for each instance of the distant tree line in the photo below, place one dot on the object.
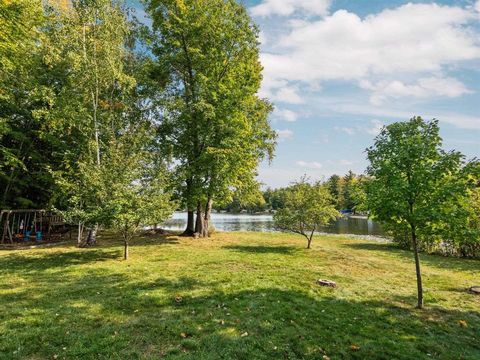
(348, 194)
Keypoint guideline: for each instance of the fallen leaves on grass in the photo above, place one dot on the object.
(462, 323)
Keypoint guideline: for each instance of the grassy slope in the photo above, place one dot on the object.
(87, 303)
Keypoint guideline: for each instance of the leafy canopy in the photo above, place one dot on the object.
(415, 183)
(307, 207)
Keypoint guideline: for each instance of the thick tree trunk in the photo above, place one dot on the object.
(200, 223)
(190, 230)
(206, 219)
(418, 270)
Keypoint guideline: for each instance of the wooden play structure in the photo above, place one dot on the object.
(18, 226)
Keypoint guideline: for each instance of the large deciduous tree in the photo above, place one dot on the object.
(416, 187)
(212, 121)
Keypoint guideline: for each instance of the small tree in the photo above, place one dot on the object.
(307, 208)
(416, 187)
(134, 186)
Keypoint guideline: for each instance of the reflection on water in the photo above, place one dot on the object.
(264, 223)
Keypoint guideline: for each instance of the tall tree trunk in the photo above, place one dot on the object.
(200, 223)
(417, 269)
(190, 230)
(206, 219)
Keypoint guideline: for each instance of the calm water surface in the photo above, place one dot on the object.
(264, 223)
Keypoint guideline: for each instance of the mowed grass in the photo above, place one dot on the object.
(235, 296)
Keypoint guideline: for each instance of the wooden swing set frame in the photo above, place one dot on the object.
(15, 223)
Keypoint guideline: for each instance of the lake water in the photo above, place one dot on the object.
(264, 223)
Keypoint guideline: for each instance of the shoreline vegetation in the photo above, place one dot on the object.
(236, 296)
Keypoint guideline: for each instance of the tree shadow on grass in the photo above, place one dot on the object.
(114, 240)
(106, 315)
(285, 250)
(438, 261)
(18, 262)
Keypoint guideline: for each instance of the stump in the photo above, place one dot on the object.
(328, 283)
(475, 290)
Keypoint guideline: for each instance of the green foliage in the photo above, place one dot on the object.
(348, 192)
(335, 186)
(415, 183)
(307, 208)
(460, 235)
(96, 104)
(133, 186)
(26, 92)
(214, 125)
(417, 189)
(358, 194)
(275, 198)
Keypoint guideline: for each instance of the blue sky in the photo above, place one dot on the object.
(337, 70)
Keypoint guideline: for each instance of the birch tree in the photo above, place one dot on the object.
(89, 47)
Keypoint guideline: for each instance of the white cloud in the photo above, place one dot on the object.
(402, 114)
(286, 115)
(345, 162)
(410, 41)
(423, 88)
(288, 7)
(323, 139)
(477, 6)
(309, 165)
(280, 91)
(346, 130)
(277, 176)
(262, 38)
(285, 134)
(377, 126)
(373, 128)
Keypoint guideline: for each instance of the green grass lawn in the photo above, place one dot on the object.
(235, 296)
